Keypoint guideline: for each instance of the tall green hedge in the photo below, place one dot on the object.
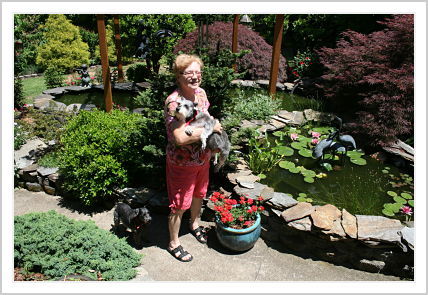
(56, 246)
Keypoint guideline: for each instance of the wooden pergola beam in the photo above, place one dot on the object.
(104, 62)
(235, 37)
(276, 53)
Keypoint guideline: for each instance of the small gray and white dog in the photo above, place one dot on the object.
(134, 219)
(187, 111)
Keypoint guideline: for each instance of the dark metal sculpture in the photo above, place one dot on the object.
(84, 75)
(335, 143)
(143, 39)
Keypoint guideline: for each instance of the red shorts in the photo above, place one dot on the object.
(185, 183)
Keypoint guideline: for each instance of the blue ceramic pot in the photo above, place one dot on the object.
(238, 239)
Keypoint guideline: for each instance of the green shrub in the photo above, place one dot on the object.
(18, 95)
(255, 106)
(53, 78)
(138, 73)
(63, 47)
(56, 246)
(103, 151)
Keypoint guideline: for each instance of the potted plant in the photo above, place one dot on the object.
(237, 222)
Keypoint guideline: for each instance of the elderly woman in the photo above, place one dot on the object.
(187, 164)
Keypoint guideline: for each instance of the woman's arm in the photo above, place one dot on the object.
(181, 137)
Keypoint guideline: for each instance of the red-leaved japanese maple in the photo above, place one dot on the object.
(369, 80)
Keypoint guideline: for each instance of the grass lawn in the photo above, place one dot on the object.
(32, 88)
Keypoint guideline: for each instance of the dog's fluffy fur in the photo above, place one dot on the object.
(188, 112)
(134, 219)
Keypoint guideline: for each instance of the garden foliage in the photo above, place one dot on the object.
(62, 46)
(18, 93)
(369, 79)
(103, 151)
(56, 246)
(257, 63)
(138, 72)
(53, 77)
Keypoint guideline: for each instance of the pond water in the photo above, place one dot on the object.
(358, 189)
(122, 98)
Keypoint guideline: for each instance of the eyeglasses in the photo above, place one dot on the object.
(191, 73)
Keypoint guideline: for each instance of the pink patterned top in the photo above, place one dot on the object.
(185, 155)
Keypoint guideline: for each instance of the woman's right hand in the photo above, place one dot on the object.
(218, 128)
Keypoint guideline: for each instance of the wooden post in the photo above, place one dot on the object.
(118, 47)
(276, 53)
(235, 37)
(104, 62)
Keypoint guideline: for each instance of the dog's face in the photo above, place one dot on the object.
(144, 216)
(185, 110)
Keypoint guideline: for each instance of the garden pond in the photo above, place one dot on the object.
(96, 97)
(356, 182)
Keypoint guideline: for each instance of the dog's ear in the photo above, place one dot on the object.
(195, 104)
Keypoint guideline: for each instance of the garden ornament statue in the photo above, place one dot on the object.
(84, 75)
(143, 40)
(329, 145)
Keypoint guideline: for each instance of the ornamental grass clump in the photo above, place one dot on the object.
(236, 214)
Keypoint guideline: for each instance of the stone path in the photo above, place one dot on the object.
(267, 261)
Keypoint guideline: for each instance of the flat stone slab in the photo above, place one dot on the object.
(258, 190)
(45, 171)
(303, 224)
(378, 228)
(22, 156)
(74, 107)
(55, 91)
(349, 223)
(316, 116)
(408, 235)
(324, 216)
(282, 201)
(299, 211)
(77, 88)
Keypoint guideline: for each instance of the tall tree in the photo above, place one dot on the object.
(62, 47)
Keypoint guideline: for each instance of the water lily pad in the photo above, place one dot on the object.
(399, 199)
(294, 170)
(286, 164)
(305, 153)
(388, 212)
(303, 195)
(406, 196)
(297, 145)
(354, 154)
(309, 179)
(308, 173)
(261, 176)
(395, 207)
(278, 133)
(359, 161)
(391, 193)
(309, 200)
(385, 171)
(411, 203)
(322, 130)
(301, 199)
(284, 151)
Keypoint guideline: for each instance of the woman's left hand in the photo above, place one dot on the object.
(217, 127)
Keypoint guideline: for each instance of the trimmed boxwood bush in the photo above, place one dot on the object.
(56, 246)
(103, 151)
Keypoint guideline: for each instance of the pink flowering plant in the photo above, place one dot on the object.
(236, 214)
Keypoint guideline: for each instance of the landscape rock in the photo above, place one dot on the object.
(324, 216)
(371, 265)
(276, 123)
(349, 223)
(233, 176)
(282, 201)
(408, 235)
(28, 152)
(302, 209)
(258, 190)
(55, 91)
(316, 116)
(378, 229)
(45, 171)
(49, 190)
(34, 187)
(73, 108)
(251, 178)
(303, 224)
(336, 229)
